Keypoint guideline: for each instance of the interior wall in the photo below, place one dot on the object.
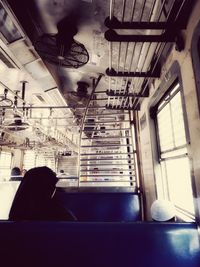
(192, 112)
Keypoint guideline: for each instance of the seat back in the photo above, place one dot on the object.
(84, 244)
(102, 206)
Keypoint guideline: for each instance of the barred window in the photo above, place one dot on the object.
(5, 165)
(173, 158)
(29, 160)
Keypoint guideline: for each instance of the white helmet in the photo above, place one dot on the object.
(162, 210)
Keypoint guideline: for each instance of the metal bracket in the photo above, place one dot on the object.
(116, 94)
(149, 74)
(114, 23)
(167, 37)
(122, 108)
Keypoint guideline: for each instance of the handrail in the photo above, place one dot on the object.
(83, 120)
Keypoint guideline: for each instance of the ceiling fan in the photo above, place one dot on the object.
(61, 48)
(17, 124)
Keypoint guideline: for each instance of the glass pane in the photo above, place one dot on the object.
(5, 165)
(29, 160)
(171, 129)
(7, 193)
(165, 129)
(178, 121)
(7, 27)
(40, 161)
(179, 183)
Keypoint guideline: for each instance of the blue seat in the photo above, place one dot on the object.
(101, 206)
(84, 244)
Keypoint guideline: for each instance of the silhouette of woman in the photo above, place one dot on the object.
(16, 174)
(34, 198)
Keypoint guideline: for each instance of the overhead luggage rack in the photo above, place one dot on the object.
(139, 35)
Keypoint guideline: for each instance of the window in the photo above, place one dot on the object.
(195, 50)
(7, 27)
(5, 165)
(175, 182)
(34, 159)
(40, 160)
(29, 160)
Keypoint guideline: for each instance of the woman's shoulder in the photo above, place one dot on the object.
(59, 212)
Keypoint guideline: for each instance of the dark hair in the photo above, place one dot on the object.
(15, 171)
(33, 194)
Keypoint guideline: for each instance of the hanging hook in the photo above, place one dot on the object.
(23, 89)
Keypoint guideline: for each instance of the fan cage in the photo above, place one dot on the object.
(75, 57)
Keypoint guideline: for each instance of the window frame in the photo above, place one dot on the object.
(171, 87)
(195, 55)
(171, 78)
(10, 163)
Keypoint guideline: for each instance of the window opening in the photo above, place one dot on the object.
(29, 160)
(7, 189)
(7, 27)
(172, 145)
(5, 165)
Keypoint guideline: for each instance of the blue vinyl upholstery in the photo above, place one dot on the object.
(101, 206)
(65, 244)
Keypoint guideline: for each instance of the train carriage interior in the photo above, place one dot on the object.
(106, 93)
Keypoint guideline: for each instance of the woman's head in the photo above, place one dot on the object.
(15, 171)
(40, 180)
(34, 193)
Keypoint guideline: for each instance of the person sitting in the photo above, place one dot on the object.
(35, 200)
(16, 174)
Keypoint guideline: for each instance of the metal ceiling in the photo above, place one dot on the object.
(127, 42)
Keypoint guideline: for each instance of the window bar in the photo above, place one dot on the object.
(170, 10)
(110, 66)
(108, 153)
(161, 9)
(120, 49)
(159, 52)
(152, 9)
(107, 159)
(149, 79)
(107, 170)
(106, 114)
(105, 130)
(104, 122)
(106, 164)
(115, 176)
(127, 79)
(182, 5)
(143, 65)
(138, 59)
(137, 80)
(104, 181)
(149, 18)
(106, 137)
(142, 10)
(106, 145)
(133, 10)
(95, 84)
(116, 85)
(112, 6)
